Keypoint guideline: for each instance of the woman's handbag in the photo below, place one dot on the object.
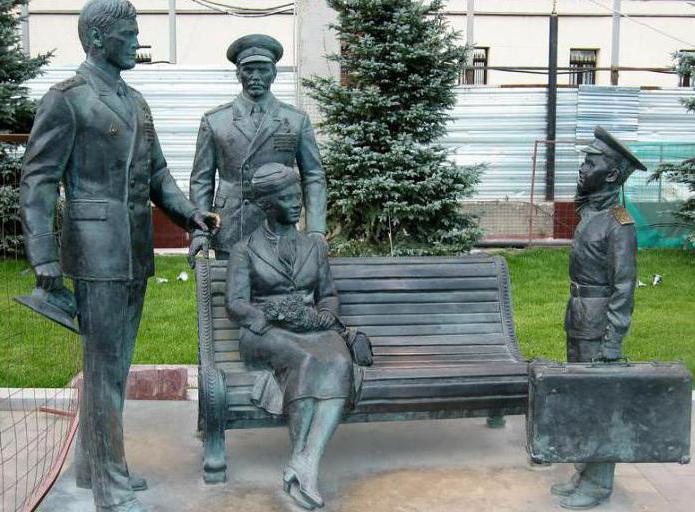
(360, 348)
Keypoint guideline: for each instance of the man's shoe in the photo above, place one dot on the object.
(581, 501)
(563, 489)
(137, 483)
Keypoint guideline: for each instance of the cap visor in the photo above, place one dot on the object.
(255, 58)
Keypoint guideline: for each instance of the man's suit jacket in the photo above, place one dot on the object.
(111, 165)
(230, 144)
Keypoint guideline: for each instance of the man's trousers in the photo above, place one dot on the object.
(593, 478)
(109, 314)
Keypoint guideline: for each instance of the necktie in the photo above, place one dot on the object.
(257, 116)
(124, 96)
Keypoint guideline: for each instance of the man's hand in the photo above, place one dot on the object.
(199, 243)
(49, 276)
(611, 345)
(206, 221)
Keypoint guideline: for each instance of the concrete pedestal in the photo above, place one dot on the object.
(428, 466)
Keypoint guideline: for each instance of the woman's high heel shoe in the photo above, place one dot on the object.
(292, 476)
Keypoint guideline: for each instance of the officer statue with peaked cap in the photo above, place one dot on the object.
(603, 273)
(95, 135)
(238, 137)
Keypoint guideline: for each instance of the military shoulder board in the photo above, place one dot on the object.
(621, 215)
(69, 83)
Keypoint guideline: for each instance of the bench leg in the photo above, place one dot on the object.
(496, 420)
(213, 408)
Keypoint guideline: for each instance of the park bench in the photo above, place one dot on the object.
(443, 338)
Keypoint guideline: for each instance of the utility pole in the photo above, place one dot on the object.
(615, 43)
(24, 27)
(551, 126)
(470, 40)
(172, 31)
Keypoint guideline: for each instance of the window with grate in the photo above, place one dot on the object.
(685, 80)
(583, 66)
(478, 74)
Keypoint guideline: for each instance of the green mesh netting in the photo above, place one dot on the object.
(652, 204)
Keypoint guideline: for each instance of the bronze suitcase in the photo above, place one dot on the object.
(609, 412)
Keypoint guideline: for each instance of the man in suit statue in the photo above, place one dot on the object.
(236, 138)
(95, 135)
(603, 274)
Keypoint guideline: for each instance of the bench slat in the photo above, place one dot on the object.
(404, 309)
(423, 308)
(426, 329)
(415, 319)
(364, 269)
(440, 349)
(462, 389)
(373, 374)
(418, 297)
(417, 285)
(410, 271)
(227, 357)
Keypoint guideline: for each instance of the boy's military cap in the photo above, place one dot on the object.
(254, 48)
(605, 144)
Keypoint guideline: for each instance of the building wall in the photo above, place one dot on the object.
(202, 35)
(516, 31)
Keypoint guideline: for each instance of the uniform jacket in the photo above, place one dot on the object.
(255, 274)
(110, 162)
(230, 144)
(603, 264)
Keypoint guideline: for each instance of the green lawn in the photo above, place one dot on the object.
(34, 353)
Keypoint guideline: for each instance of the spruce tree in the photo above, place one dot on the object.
(16, 116)
(391, 183)
(683, 172)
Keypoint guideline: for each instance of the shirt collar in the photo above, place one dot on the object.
(103, 81)
(263, 106)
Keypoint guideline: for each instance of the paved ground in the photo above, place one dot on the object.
(432, 466)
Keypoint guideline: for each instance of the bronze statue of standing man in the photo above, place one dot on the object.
(603, 274)
(95, 135)
(237, 138)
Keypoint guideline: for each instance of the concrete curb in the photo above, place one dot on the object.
(145, 382)
(16, 399)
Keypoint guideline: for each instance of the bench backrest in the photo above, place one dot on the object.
(416, 311)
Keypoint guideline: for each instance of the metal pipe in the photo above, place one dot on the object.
(172, 31)
(551, 120)
(470, 40)
(615, 43)
(24, 27)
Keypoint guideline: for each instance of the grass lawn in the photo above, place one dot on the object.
(34, 353)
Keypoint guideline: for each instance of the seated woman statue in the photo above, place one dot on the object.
(280, 291)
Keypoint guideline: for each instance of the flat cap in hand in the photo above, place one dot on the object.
(254, 48)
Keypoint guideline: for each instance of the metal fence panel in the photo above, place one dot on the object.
(496, 126)
(178, 97)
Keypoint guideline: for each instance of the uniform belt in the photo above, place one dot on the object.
(588, 291)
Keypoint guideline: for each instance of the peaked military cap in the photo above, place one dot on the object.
(605, 144)
(254, 48)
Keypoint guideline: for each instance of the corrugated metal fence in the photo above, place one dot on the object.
(497, 126)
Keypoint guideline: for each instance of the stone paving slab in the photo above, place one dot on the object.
(428, 466)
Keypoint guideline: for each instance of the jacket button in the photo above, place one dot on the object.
(132, 183)
(131, 206)
(291, 288)
(246, 201)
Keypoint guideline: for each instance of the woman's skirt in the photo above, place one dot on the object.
(303, 365)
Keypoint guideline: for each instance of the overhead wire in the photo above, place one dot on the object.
(647, 25)
(246, 12)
